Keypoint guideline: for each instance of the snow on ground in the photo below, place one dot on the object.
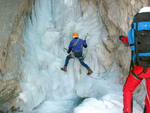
(105, 94)
(98, 96)
(110, 103)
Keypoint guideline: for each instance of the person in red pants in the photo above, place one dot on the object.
(136, 75)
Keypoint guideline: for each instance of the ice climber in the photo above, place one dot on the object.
(76, 46)
(139, 40)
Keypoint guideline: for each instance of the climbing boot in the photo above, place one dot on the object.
(64, 69)
(89, 71)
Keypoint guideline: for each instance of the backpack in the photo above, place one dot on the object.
(139, 39)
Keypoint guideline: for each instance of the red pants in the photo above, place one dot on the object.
(130, 85)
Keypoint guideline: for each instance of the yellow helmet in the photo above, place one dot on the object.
(75, 35)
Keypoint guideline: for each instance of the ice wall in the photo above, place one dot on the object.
(46, 34)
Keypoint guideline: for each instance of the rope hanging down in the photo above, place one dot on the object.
(106, 74)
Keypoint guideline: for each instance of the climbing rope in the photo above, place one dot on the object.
(106, 74)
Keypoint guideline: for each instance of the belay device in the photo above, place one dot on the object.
(139, 39)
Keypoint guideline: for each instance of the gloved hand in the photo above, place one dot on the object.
(120, 37)
(68, 52)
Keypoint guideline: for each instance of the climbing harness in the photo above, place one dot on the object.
(108, 71)
(106, 74)
(75, 43)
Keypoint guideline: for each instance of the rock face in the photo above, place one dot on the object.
(12, 20)
(116, 15)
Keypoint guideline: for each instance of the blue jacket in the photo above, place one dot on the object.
(76, 44)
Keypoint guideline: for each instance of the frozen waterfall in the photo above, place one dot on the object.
(45, 88)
